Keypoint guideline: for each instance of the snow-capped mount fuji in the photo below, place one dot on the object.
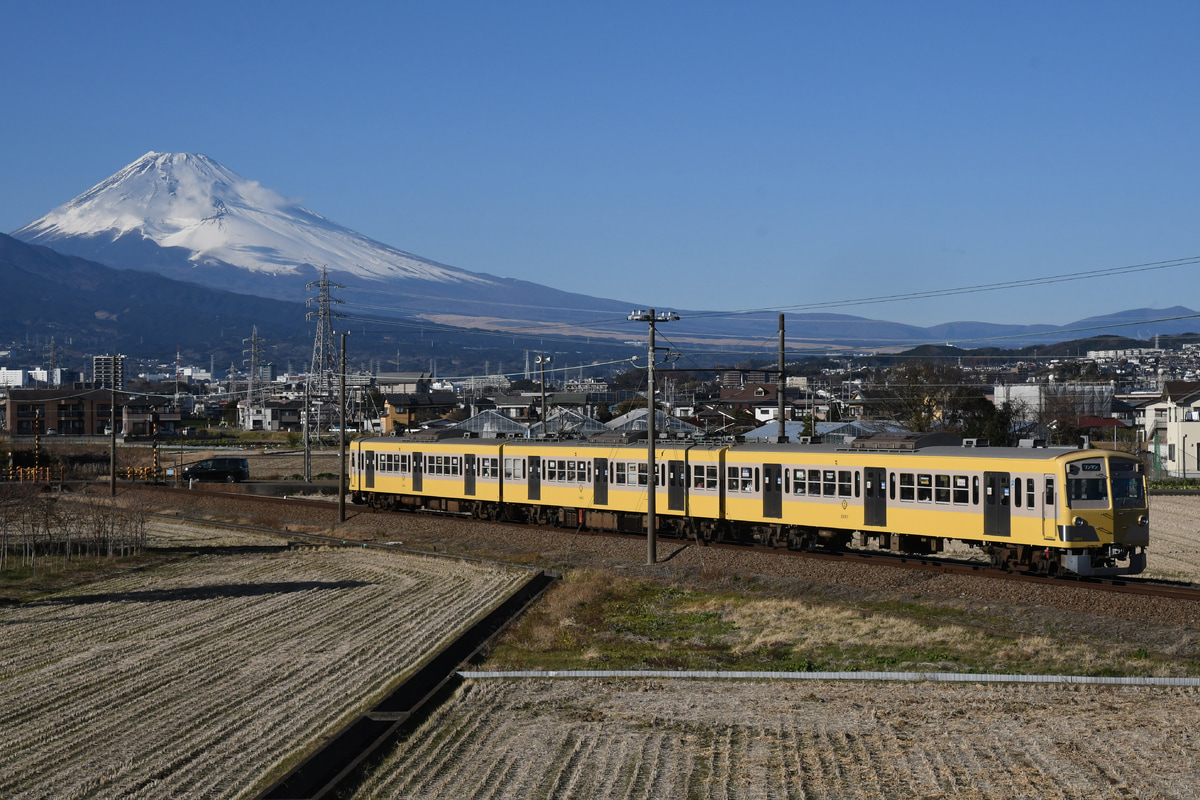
(189, 201)
(188, 217)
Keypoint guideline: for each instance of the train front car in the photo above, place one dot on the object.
(1104, 523)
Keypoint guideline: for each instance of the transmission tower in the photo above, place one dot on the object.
(52, 354)
(325, 358)
(252, 361)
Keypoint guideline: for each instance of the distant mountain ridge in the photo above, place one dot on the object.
(187, 217)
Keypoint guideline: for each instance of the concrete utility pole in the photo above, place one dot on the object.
(542, 361)
(112, 429)
(307, 441)
(342, 436)
(651, 436)
(781, 385)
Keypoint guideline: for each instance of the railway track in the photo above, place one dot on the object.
(1124, 585)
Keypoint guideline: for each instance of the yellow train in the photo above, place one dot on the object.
(1041, 509)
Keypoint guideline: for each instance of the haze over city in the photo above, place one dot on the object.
(699, 156)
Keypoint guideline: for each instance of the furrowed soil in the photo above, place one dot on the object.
(710, 608)
(699, 739)
(210, 673)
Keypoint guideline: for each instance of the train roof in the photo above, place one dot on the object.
(922, 445)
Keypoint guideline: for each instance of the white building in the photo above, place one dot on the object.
(1172, 429)
(15, 378)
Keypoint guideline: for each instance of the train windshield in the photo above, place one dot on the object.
(1128, 484)
(1087, 485)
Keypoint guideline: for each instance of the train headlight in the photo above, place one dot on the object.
(1144, 519)
(1079, 522)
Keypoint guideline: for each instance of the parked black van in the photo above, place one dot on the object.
(230, 470)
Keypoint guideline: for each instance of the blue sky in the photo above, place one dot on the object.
(683, 155)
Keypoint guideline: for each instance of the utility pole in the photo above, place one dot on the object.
(651, 411)
(307, 446)
(112, 429)
(542, 361)
(342, 438)
(781, 385)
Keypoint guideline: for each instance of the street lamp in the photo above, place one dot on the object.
(651, 318)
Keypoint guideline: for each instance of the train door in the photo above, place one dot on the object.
(600, 485)
(676, 485)
(369, 469)
(1049, 508)
(535, 478)
(773, 491)
(997, 504)
(469, 475)
(875, 501)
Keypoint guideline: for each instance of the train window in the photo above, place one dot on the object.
(798, 485)
(698, 477)
(571, 471)
(508, 468)
(747, 480)
(787, 481)
(908, 483)
(1050, 491)
(710, 479)
(551, 470)
(857, 483)
(843, 481)
(829, 485)
(756, 477)
(941, 488)
(1086, 489)
(589, 472)
(924, 488)
(619, 473)
(1128, 485)
(975, 490)
(1017, 482)
(962, 494)
(892, 486)
(662, 475)
(1029, 493)
(731, 479)
(456, 465)
(643, 475)
(814, 482)
(404, 462)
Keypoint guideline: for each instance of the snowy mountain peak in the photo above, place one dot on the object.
(189, 201)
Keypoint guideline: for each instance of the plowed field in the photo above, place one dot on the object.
(202, 677)
(693, 739)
